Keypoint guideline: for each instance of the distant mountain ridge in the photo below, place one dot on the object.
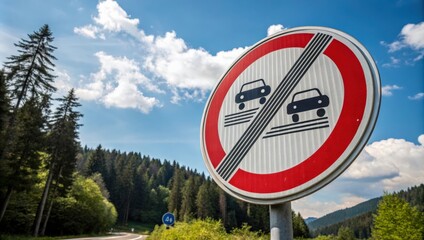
(310, 219)
(344, 214)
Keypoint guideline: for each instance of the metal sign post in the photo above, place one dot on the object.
(280, 220)
(289, 116)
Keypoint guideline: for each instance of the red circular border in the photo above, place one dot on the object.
(344, 131)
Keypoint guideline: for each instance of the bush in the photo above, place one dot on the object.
(84, 210)
(203, 229)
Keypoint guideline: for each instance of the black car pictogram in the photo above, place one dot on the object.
(306, 104)
(253, 93)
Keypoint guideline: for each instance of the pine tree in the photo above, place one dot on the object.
(4, 107)
(96, 162)
(188, 200)
(174, 204)
(396, 219)
(4, 115)
(207, 201)
(30, 75)
(21, 167)
(63, 149)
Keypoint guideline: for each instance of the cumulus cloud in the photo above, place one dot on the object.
(118, 83)
(88, 31)
(388, 89)
(112, 18)
(274, 29)
(391, 164)
(412, 37)
(188, 73)
(388, 165)
(312, 207)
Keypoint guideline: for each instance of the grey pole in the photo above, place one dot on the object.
(280, 219)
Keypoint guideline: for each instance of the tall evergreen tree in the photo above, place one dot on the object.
(4, 115)
(174, 204)
(4, 106)
(96, 162)
(188, 204)
(63, 149)
(19, 170)
(30, 74)
(207, 201)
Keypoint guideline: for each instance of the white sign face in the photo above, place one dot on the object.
(290, 115)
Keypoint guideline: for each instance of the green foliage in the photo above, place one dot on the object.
(245, 232)
(361, 226)
(20, 213)
(206, 229)
(345, 233)
(83, 210)
(300, 229)
(396, 219)
(30, 71)
(325, 237)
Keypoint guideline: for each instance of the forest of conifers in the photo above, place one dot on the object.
(50, 185)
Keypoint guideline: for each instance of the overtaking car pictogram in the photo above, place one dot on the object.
(253, 92)
(297, 105)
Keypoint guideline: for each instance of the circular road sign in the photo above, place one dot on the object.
(290, 115)
(168, 219)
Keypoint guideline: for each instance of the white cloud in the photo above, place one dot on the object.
(312, 207)
(412, 37)
(112, 18)
(388, 89)
(388, 165)
(187, 72)
(417, 96)
(88, 31)
(391, 164)
(185, 69)
(274, 29)
(117, 84)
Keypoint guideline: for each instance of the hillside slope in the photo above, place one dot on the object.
(344, 214)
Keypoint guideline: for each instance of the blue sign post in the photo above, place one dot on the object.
(168, 219)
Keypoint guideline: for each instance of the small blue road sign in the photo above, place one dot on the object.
(168, 219)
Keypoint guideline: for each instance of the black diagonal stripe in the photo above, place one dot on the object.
(315, 47)
(297, 71)
(294, 74)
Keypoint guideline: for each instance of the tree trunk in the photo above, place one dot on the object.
(6, 202)
(43, 200)
(46, 220)
(127, 211)
(223, 206)
(43, 229)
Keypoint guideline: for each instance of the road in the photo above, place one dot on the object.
(115, 236)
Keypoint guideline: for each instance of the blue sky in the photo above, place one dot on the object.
(143, 71)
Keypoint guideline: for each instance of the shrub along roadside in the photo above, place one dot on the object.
(207, 229)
